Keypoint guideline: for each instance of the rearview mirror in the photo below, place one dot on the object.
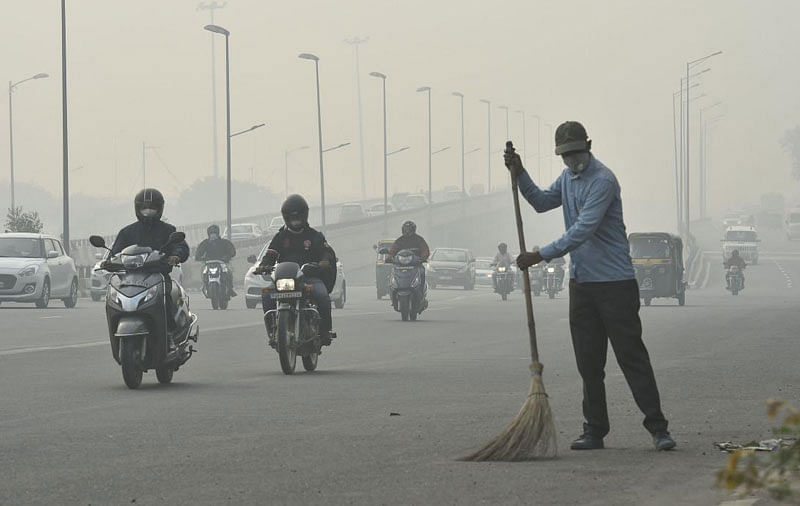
(52, 254)
(97, 241)
(384, 251)
(251, 259)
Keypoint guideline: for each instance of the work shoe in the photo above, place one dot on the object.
(327, 337)
(587, 442)
(232, 292)
(663, 441)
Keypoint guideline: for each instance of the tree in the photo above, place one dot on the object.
(18, 220)
(791, 143)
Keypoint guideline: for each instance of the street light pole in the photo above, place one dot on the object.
(702, 189)
(211, 7)
(538, 145)
(505, 108)
(488, 143)
(430, 144)
(64, 132)
(355, 42)
(463, 181)
(382, 77)
(315, 59)
(11, 87)
(226, 33)
(524, 143)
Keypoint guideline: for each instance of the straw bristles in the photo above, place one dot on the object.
(530, 435)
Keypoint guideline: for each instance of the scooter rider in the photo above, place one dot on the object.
(217, 248)
(735, 261)
(297, 242)
(411, 240)
(501, 259)
(150, 231)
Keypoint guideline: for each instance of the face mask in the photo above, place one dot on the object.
(576, 162)
(148, 213)
(213, 237)
(296, 224)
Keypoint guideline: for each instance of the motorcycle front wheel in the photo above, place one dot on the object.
(129, 356)
(404, 308)
(213, 294)
(286, 354)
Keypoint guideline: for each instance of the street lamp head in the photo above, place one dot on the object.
(486, 101)
(40, 76)
(458, 94)
(378, 74)
(424, 88)
(217, 29)
(519, 111)
(502, 107)
(308, 56)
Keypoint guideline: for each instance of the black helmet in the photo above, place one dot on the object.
(149, 205)
(409, 227)
(735, 253)
(213, 229)
(503, 247)
(295, 212)
(570, 137)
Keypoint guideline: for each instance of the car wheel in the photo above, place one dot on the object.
(44, 300)
(72, 300)
(251, 304)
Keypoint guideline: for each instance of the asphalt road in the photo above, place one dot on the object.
(233, 430)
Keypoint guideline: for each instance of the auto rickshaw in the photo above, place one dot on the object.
(658, 262)
(382, 269)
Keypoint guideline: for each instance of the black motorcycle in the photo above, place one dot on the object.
(406, 286)
(136, 310)
(215, 283)
(504, 280)
(293, 327)
(553, 280)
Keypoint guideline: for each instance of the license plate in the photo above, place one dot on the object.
(287, 295)
(446, 278)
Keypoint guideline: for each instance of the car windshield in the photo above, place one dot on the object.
(483, 264)
(20, 247)
(241, 229)
(649, 247)
(449, 255)
(741, 235)
(277, 221)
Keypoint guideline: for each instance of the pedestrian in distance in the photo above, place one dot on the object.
(603, 293)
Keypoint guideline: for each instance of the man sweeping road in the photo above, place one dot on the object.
(604, 295)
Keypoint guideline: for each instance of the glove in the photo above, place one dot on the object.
(174, 260)
(513, 163)
(528, 259)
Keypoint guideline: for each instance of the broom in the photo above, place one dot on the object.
(531, 434)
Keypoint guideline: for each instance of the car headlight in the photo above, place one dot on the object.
(28, 271)
(150, 295)
(551, 269)
(284, 285)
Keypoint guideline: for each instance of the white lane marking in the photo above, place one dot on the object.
(787, 277)
(48, 317)
(707, 276)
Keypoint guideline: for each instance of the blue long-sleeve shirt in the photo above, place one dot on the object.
(595, 238)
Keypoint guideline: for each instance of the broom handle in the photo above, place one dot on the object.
(525, 279)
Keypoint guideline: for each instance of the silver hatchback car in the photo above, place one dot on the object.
(35, 268)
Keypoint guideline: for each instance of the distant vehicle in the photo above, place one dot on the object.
(240, 231)
(483, 271)
(451, 266)
(450, 188)
(476, 189)
(454, 195)
(742, 238)
(275, 225)
(415, 201)
(399, 200)
(793, 224)
(351, 211)
(383, 269)
(658, 262)
(731, 219)
(254, 283)
(377, 209)
(34, 268)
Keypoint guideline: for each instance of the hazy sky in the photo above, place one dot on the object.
(140, 71)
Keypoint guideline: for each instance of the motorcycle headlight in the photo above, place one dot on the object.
(28, 271)
(150, 295)
(213, 270)
(501, 269)
(551, 269)
(284, 285)
(404, 260)
(112, 296)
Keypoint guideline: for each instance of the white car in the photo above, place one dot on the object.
(415, 201)
(377, 209)
(275, 225)
(742, 238)
(254, 283)
(244, 231)
(34, 268)
(351, 211)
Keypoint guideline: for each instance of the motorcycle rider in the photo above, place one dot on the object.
(217, 248)
(297, 242)
(735, 261)
(411, 240)
(501, 259)
(149, 231)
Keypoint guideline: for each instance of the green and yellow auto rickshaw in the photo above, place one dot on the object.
(382, 269)
(658, 262)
